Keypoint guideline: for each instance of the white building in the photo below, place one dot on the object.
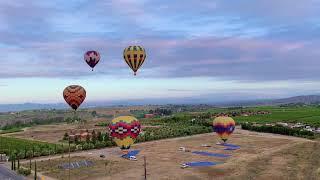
(282, 124)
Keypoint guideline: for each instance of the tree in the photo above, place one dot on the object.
(25, 151)
(69, 120)
(66, 136)
(76, 139)
(87, 138)
(94, 137)
(99, 136)
(94, 113)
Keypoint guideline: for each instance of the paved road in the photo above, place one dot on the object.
(7, 174)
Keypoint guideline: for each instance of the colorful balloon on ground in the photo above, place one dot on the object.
(124, 130)
(92, 58)
(74, 95)
(134, 57)
(224, 127)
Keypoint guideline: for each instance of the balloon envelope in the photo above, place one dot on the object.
(224, 127)
(92, 58)
(134, 57)
(74, 95)
(124, 130)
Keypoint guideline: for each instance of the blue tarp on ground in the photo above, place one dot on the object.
(74, 165)
(211, 154)
(229, 145)
(131, 153)
(231, 148)
(202, 163)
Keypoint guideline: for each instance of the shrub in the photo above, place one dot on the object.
(24, 171)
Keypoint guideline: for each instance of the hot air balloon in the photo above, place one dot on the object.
(223, 126)
(134, 57)
(74, 95)
(124, 130)
(92, 58)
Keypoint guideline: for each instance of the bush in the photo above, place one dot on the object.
(279, 130)
(98, 145)
(24, 171)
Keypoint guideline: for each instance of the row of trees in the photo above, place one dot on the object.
(34, 121)
(36, 151)
(175, 126)
(277, 129)
(161, 111)
(151, 134)
(95, 140)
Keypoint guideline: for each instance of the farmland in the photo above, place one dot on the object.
(261, 156)
(202, 117)
(36, 140)
(308, 115)
(26, 148)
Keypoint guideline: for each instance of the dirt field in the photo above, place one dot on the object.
(261, 156)
(54, 133)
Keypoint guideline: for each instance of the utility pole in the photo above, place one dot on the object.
(69, 158)
(35, 170)
(145, 167)
(0, 144)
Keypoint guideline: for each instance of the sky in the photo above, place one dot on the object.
(212, 49)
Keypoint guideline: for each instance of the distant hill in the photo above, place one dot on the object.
(29, 106)
(308, 99)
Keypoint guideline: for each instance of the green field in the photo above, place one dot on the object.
(309, 115)
(27, 148)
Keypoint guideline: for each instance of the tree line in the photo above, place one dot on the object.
(277, 129)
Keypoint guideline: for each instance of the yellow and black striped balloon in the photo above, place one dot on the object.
(134, 57)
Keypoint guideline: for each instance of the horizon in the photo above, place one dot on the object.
(205, 51)
(156, 102)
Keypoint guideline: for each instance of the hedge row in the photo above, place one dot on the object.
(298, 132)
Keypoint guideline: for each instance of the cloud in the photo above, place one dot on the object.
(242, 40)
(181, 90)
(229, 58)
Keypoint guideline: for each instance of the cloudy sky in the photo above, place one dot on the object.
(215, 49)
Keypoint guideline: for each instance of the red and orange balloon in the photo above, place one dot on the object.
(74, 95)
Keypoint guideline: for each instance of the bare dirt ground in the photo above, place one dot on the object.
(261, 156)
(54, 133)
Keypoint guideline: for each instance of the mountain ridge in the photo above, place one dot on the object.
(306, 99)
